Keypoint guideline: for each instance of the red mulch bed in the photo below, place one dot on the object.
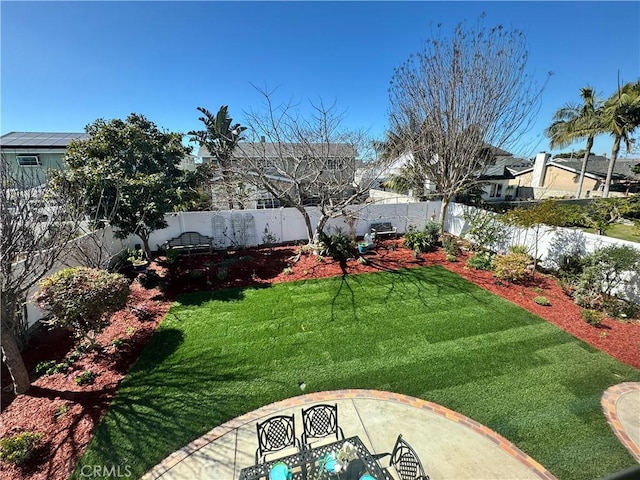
(67, 436)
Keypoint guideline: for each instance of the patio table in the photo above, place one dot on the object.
(307, 465)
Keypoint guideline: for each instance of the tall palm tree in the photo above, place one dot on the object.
(220, 138)
(621, 118)
(577, 122)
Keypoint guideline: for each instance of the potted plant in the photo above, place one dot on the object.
(138, 259)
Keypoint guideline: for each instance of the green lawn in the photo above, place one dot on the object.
(623, 232)
(423, 332)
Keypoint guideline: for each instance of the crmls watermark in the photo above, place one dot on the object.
(105, 471)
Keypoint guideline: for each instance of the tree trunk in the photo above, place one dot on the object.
(612, 163)
(584, 166)
(10, 351)
(307, 222)
(443, 211)
(145, 244)
(321, 223)
(227, 189)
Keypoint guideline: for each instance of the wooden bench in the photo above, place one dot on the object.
(189, 241)
(383, 228)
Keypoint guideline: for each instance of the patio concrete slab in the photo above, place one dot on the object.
(621, 406)
(450, 445)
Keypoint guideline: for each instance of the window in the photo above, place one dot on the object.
(28, 160)
(496, 190)
(267, 201)
(333, 163)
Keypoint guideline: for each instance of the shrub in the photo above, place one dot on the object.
(337, 246)
(46, 367)
(422, 241)
(87, 377)
(619, 308)
(481, 261)
(61, 411)
(171, 255)
(591, 316)
(149, 279)
(450, 245)
(486, 232)
(542, 301)
(512, 266)
(222, 273)
(603, 271)
(523, 249)
(81, 299)
(17, 449)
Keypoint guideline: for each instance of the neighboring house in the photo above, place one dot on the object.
(495, 181)
(36, 152)
(559, 177)
(285, 164)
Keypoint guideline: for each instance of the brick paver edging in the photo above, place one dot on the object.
(608, 401)
(273, 408)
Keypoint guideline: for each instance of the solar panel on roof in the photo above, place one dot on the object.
(38, 139)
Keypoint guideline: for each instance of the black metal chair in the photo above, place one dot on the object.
(405, 461)
(275, 434)
(320, 421)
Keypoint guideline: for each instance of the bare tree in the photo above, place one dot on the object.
(458, 98)
(306, 160)
(36, 224)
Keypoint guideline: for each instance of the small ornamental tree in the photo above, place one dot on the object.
(81, 299)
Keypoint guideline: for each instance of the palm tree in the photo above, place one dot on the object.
(621, 116)
(576, 122)
(220, 138)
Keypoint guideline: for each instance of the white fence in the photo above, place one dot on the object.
(551, 244)
(247, 228)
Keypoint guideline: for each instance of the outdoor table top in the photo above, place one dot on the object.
(307, 465)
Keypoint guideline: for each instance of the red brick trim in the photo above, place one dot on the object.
(273, 408)
(609, 401)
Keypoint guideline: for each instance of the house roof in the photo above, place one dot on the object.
(498, 170)
(279, 150)
(39, 139)
(598, 166)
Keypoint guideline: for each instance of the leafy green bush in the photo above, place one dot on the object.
(61, 411)
(87, 377)
(149, 279)
(512, 267)
(222, 273)
(45, 367)
(486, 232)
(17, 449)
(542, 301)
(619, 308)
(591, 316)
(423, 241)
(523, 249)
(337, 246)
(481, 261)
(81, 299)
(450, 245)
(604, 270)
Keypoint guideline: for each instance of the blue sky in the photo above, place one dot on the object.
(64, 64)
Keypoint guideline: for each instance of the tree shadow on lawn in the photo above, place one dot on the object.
(423, 283)
(196, 299)
(160, 405)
